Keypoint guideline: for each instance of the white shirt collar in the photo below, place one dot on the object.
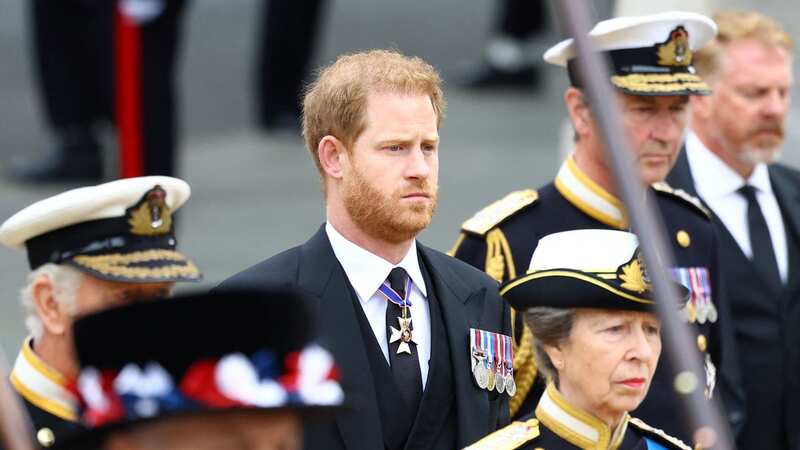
(367, 271)
(726, 180)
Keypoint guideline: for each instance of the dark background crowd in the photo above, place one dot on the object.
(254, 192)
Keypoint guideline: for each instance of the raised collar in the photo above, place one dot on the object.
(577, 426)
(725, 181)
(589, 197)
(366, 271)
(41, 385)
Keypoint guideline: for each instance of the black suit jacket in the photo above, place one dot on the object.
(761, 386)
(468, 298)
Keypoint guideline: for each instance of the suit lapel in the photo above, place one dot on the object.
(788, 195)
(322, 276)
(437, 400)
(455, 299)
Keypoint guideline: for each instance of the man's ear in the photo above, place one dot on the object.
(579, 112)
(55, 318)
(332, 156)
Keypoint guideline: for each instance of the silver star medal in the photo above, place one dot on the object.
(403, 335)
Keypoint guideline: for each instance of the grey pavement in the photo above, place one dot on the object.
(255, 194)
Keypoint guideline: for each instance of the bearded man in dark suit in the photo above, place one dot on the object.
(737, 134)
(396, 314)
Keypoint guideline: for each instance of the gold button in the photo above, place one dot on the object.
(683, 238)
(702, 343)
(46, 437)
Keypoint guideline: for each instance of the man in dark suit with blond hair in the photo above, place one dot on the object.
(397, 315)
(736, 136)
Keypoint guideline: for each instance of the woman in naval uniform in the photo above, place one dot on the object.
(597, 339)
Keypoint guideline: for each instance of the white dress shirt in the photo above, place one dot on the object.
(366, 272)
(717, 184)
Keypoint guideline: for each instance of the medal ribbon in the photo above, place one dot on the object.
(696, 289)
(702, 274)
(394, 297)
(683, 276)
(509, 354)
(499, 355)
(484, 347)
(490, 348)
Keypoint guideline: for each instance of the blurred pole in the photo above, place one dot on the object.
(594, 71)
(15, 425)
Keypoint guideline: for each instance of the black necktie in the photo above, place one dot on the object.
(760, 241)
(405, 367)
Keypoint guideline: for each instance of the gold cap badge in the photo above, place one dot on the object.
(151, 216)
(675, 51)
(634, 275)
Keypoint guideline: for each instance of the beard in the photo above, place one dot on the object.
(384, 216)
(766, 149)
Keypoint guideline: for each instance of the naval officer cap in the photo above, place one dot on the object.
(117, 231)
(586, 269)
(649, 55)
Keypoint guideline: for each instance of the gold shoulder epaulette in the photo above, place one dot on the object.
(510, 437)
(492, 215)
(662, 186)
(637, 423)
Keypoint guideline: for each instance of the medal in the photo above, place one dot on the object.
(481, 376)
(490, 385)
(511, 387)
(491, 355)
(478, 356)
(712, 313)
(404, 334)
(696, 294)
(702, 314)
(487, 342)
(500, 382)
(700, 307)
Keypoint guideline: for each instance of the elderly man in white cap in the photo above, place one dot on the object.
(651, 70)
(88, 249)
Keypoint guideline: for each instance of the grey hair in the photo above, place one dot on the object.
(550, 326)
(65, 279)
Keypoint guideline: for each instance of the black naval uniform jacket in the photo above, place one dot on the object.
(50, 405)
(557, 425)
(454, 411)
(501, 239)
(766, 325)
